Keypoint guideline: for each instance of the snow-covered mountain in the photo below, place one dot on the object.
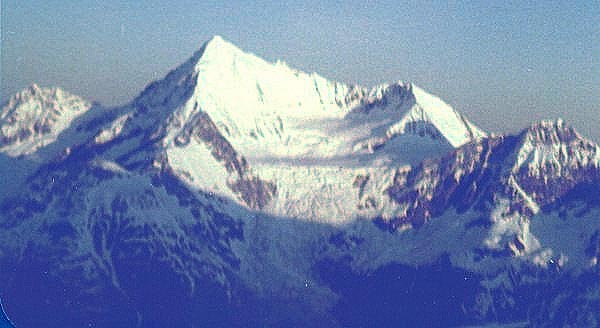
(242, 118)
(237, 192)
(271, 110)
(34, 117)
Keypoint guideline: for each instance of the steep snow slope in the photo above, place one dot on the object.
(235, 190)
(552, 147)
(243, 119)
(34, 117)
(552, 158)
(112, 232)
(289, 126)
(105, 226)
(508, 179)
(270, 110)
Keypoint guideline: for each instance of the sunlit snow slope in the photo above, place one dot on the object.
(299, 131)
(270, 110)
(234, 189)
(35, 117)
(262, 134)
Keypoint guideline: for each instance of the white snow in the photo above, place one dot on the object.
(42, 113)
(196, 166)
(455, 128)
(270, 110)
(531, 203)
(543, 152)
(112, 131)
(300, 130)
(109, 166)
(567, 238)
(313, 139)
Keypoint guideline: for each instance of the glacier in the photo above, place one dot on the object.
(238, 192)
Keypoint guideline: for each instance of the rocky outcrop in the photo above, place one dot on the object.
(255, 192)
(532, 170)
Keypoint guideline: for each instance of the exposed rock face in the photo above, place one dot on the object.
(254, 191)
(35, 117)
(532, 169)
(236, 192)
(553, 159)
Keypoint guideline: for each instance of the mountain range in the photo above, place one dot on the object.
(238, 192)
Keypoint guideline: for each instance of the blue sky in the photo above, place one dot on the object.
(503, 64)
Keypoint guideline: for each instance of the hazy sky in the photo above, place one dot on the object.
(503, 64)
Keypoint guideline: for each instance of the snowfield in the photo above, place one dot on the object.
(238, 192)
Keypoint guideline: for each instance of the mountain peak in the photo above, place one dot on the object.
(455, 127)
(553, 148)
(217, 40)
(271, 110)
(551, 132)
(34, 88)
(218, 52)
(35, 116)
(35, 92)
(217, 43)
(549, 124)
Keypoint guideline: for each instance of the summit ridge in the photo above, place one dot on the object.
(234, 187)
